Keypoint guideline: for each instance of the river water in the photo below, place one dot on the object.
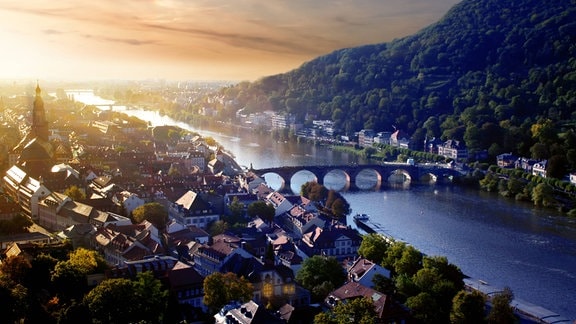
(502, 242)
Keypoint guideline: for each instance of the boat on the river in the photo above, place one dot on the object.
(361, 217)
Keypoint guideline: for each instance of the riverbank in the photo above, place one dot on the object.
(500, 241)
(526, 312)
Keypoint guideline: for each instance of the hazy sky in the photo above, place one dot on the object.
(193, 39)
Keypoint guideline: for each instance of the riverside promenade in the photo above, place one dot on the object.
(527, 312)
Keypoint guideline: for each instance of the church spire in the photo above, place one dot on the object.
(39, 123)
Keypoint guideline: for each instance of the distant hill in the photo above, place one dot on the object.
(486, 73)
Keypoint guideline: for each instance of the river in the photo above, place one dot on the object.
(501, 242)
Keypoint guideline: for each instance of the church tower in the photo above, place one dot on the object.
(39, 122)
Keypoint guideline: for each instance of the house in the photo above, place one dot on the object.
(454, 150)
(431, 145)
(191, 210)
(25, 190)
(24, 238)
(78, 235)
(366, 138)
(159, 265)
(363, 271)
(298, 220)
(242, 197)
(506, 160)
(181, 234)
(186, 285)
(280, 202)
(130, 201)
(539, 168)
(216, 166)
(118, 247)
(246, 313)
(387, 310)
(273, 282)
(58, 211)
(262, 191)
(209, 258)
(382, 138)
(400, 139)
(333, 240)
(286, 251)
(525, 164)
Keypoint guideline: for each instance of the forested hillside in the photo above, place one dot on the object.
(500, 75)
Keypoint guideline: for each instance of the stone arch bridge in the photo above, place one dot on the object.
(389, 172)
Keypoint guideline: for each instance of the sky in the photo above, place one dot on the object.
(193, 39)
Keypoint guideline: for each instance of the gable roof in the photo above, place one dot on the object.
(183, 275)
(192, 201)
(384, 306)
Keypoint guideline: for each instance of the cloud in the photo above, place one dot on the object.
(52, 32)
(239, 34)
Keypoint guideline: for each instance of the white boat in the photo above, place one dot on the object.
(361, 217)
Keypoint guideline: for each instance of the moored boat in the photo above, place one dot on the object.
(361, 217)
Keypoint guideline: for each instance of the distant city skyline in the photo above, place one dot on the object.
(191, 39)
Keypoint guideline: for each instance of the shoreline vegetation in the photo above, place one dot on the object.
(550, 193)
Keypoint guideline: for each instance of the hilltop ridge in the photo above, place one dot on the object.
(485, 74)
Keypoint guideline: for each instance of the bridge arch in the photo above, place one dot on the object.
(389, 173)
(336, 177)
(399, 176)
(429, 177)
(305, 174)
(274, 180)
(367, 175)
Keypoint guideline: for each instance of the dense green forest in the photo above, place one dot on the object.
(499, 75)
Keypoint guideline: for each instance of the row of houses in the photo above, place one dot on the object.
(533, 166)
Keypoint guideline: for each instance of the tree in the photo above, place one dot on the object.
(124, 301)
(557, 167)
(218, 227)
(373, 247)
(445, 269)
(340, 208)
(220, 289)
(42, 266)
(236, 208)
(357, 310)
(153, 212)
(75, 312)
(501, 311)
(16, 268)
(410, 261)
(151, 297)
(383, 284)
(468, 308)
(112, 302)
(14, 300)
(424, 308)
(87, 261)
(69, 280)
(314, 191)
(263, 210)
(543, 195)
(317, 270)
(75, 193)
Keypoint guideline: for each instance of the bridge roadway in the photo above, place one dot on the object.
(420, 173)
